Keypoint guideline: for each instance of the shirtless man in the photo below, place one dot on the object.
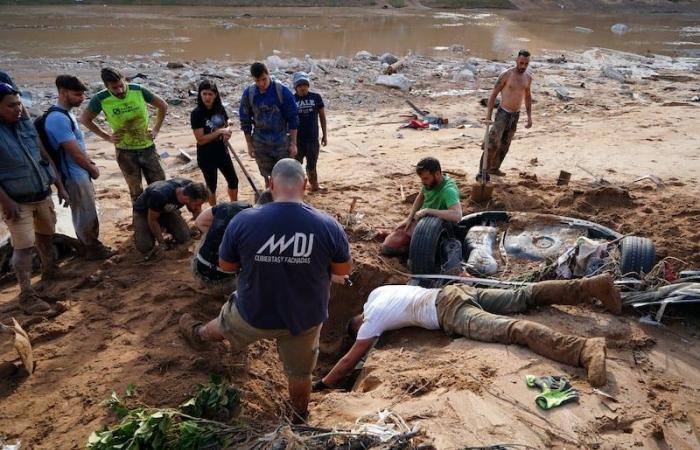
(513, 84)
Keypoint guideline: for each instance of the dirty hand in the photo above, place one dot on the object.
(63, 197)
(324, 140)
(251, 150)
(115, 137)
(529, 123)
(420, 214)
(154, 133)
(292, 149)
(94, 171)
(339, 279)
(319, 386)
(406, 223)
(225, 134)
(486, 121)
(11, 209)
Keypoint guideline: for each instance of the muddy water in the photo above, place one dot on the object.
(246, 33)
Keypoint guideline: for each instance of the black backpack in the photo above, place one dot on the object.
(56, 154)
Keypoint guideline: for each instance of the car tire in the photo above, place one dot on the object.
(637, 255)
(424, 254)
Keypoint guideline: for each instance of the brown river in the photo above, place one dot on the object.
(238, 34)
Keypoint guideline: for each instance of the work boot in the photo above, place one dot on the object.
(313, 181)
(30, 303)
(602, 288)
(576, 292)
(189, 327)
(99, 251)
(593, 359)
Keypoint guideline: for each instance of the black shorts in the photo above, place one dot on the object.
(310, 151)
(211, 162)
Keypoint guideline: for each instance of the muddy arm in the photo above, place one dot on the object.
(343, 367)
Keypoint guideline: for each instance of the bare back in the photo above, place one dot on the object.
(514, 87)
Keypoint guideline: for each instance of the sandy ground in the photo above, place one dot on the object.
(120, 326)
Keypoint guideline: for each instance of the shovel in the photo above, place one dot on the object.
(245, 172)
(483, 191)
(22, 344)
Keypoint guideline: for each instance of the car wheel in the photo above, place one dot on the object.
(638, 255)
(424, 254)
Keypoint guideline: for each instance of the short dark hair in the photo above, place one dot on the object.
(110, 75)
(70, 82)
(196, 191)
(430, 164)
(524, 53)
(258, 69)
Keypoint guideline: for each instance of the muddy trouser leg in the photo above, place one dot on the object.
(504, 301)
(507, 138)
(474, 323)
(128, 162)
(143, 239)
(150, 165)
(81, 194)
(175, 225)
(495, 138)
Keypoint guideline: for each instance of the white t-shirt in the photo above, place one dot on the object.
(393, 307)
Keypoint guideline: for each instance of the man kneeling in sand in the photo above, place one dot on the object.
(473, 313)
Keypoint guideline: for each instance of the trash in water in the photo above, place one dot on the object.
(619, 28)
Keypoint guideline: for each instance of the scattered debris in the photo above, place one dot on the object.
(175, 65)
(564, 178)
(619, 28)
(21, 343)
(395, 81)
(583, 30)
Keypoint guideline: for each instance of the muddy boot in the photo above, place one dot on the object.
(593, 359)
(313, 181)
(602, 288)
(98, 252)
(188, 327)
(576, 292)
(30, 303)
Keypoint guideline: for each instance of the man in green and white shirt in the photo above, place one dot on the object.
(439, 197)
(126, 111)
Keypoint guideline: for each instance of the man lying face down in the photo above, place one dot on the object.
(474, 313)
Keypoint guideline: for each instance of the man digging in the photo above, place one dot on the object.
(474, 313)
(514, 86)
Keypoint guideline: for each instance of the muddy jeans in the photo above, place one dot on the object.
(459, 314)
(500, 136)
(267, 155)
(173, 223)
(81, 195)
(136, 164)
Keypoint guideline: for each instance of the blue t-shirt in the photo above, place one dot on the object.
(59, 131)
(285, 250)
(308, 107)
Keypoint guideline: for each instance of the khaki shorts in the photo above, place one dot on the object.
(35, 217)
(297, 353)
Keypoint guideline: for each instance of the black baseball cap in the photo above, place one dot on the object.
(7, 89)
(70, 82)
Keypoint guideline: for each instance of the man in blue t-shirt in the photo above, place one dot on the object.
(64, 135)
(311, 111)
(288, 253)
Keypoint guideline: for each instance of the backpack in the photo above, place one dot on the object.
(56, 154)
(250, 92)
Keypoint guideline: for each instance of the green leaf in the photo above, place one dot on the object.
(130, 390)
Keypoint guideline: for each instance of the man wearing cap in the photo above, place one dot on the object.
(269, 120)
(65, 137)
(26, 175)
(287, 253)
(439, 197)
(125, 106)
(311, 109)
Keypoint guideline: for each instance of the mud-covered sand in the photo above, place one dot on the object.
(121, 322)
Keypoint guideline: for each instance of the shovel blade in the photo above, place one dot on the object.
(481, 192)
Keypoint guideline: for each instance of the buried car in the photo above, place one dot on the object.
(484, 243)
